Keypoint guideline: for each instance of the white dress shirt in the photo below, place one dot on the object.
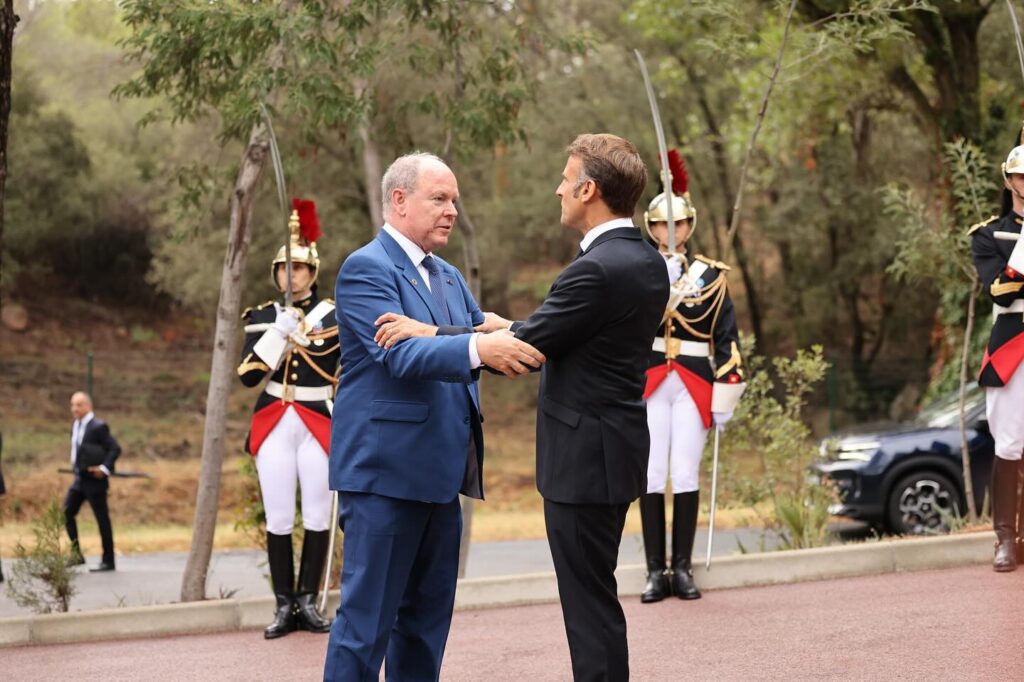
(597, 231)
(77, 433)
(416, 255)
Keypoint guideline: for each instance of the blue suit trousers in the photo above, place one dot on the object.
(398, 576)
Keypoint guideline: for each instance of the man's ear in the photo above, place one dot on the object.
(589, 192)
(398, 201)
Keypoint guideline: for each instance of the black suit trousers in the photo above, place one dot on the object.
(584, 541)
(96, 494)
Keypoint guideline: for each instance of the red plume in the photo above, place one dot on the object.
(309, 223)
(677, 167)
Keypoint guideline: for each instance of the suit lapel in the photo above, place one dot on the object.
(452, 294)
(410, 273)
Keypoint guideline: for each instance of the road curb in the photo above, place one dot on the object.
(744, 570)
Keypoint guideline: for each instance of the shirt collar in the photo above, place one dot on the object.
(86, 419)
(590, 237)
(414, 252)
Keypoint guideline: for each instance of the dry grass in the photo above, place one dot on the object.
(151, 388)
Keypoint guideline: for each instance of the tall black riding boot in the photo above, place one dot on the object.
(282, 575)
(1004, 513)
(314, 555)
(652, 520)
(684, 527)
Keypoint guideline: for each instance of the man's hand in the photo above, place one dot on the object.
(721, 419)
(493, 323)
(505, 353)
(393, 327)
(97, 472)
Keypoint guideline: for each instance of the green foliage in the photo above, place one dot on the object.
(769, 421)
(41, 578)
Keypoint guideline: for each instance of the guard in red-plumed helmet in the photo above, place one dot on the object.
(998, 253)
(694, 381)
(295, 349)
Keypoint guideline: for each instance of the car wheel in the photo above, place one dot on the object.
(922, 503)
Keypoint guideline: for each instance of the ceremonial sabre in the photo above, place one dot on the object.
(275, 157)
(662, 152)
(330, 549)
(714, 491)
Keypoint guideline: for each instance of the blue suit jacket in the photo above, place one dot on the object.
(402, 417)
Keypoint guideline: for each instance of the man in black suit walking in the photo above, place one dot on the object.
(93, 453)
(595, 328)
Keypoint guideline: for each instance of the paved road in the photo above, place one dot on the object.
(932, 625)
(145, 579)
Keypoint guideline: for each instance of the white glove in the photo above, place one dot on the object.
(675, 268)
(721, 419)
(287, 320)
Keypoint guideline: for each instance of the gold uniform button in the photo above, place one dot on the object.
(295, 363)
(295, 377)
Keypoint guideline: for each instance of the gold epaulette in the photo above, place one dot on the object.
(261, 306)
(977, 226)
(716, 264)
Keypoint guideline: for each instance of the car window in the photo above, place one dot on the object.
(944, 413)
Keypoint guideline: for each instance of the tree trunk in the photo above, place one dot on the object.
(225, 352)
(8, 20)
(371, 165)
(965, 453)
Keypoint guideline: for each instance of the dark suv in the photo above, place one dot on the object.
(907, 478)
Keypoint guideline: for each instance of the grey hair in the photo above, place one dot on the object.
(402, 174)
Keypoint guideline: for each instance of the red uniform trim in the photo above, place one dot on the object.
(264, 421)
(698, 388)
(1006, 359)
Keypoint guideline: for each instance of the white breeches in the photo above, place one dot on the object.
(677, 437)
(288, 454)
(1004, 407)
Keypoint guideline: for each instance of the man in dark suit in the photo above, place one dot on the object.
(405, 432)
(595, 328)
(93, 453)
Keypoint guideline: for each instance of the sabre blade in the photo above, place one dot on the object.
(662, 151)
(330, 550)
(714, 492)
(275, 158)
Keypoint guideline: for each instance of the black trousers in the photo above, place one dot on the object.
(97, 498)
(584, 541)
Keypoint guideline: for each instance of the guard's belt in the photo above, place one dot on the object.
(1015, 307)
(303, 394)
(695, 349)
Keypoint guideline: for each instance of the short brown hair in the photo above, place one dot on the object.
(615, 166)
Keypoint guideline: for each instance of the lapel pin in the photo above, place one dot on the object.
(414, 282)
(449, 281)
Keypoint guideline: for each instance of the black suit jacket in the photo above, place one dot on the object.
(595, 328)
(98, 439)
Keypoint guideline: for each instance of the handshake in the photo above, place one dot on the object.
(497, 347)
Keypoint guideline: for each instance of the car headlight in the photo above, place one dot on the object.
(861, 451)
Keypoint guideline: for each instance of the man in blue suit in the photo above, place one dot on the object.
(405, 435)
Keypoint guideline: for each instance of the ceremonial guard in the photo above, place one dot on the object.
(998, 253)
(297, 348)
(694, 380)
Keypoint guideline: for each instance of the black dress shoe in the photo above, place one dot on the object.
(76, 560)
(307, 617)
(102, 568)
